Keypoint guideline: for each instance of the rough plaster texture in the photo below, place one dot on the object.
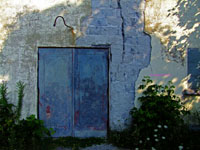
(176, 23)
(162, 71)
(28, 24)
(120, 25)
(174, 27)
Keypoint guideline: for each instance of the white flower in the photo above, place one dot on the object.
(153, 148)
(148, 139)
(163, 138)
(159, 126)
(156, 140)
(140, 141)
(155, 135)
(155, 130)
(165, 126)
(180, 147)
(136, 148)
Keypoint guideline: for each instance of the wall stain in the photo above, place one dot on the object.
(73, 39)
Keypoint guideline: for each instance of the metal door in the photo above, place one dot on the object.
(91, 84)
(73, 87)
(55, 89)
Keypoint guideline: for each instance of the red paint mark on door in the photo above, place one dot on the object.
(76, 116)
(40, 103)
(48, 109)
(64, 127)
(48, 112)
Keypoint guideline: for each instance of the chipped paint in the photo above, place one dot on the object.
(87, 84)
(76, 117)
(48, 112)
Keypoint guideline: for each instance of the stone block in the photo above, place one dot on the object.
(114, 4)
(106, 12)
(103, 31)
(114, 21)
(100, 3)
(99, 22)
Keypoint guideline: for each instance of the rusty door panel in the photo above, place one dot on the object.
(91, 83)
(55, 87)
(73, 87)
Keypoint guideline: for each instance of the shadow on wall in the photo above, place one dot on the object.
(187, 30)
(22, 31)
(177, 25)
(184, 35)
(119, 24)
(114, 22)
(174, 23)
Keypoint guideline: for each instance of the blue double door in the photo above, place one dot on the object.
(73, 87)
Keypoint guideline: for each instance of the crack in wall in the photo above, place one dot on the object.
(122, 28)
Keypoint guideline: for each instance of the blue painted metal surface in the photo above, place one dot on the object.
(55, 88)
(91, 83)
(73, 87)
(194, 67)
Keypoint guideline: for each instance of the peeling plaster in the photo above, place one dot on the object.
(117, 23)
(174, 26)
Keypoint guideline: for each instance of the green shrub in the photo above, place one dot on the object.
(19, 134)
(20, 92)
(158, 122)
(29, 133)
(161, 110)
(160, 106)
(7, 116)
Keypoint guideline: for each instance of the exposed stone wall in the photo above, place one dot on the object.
(28, 24)
(120, 24)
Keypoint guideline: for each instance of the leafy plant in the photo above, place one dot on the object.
(160, 106)
(7, 116)
(20, 90)
(158, 122)
(29, 133)
(19, 134)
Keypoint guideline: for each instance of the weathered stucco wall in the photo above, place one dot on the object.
(174, 27)
(28, 24)
(175, 23)
(121, 24)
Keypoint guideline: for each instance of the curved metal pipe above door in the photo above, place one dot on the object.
(63, 22)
